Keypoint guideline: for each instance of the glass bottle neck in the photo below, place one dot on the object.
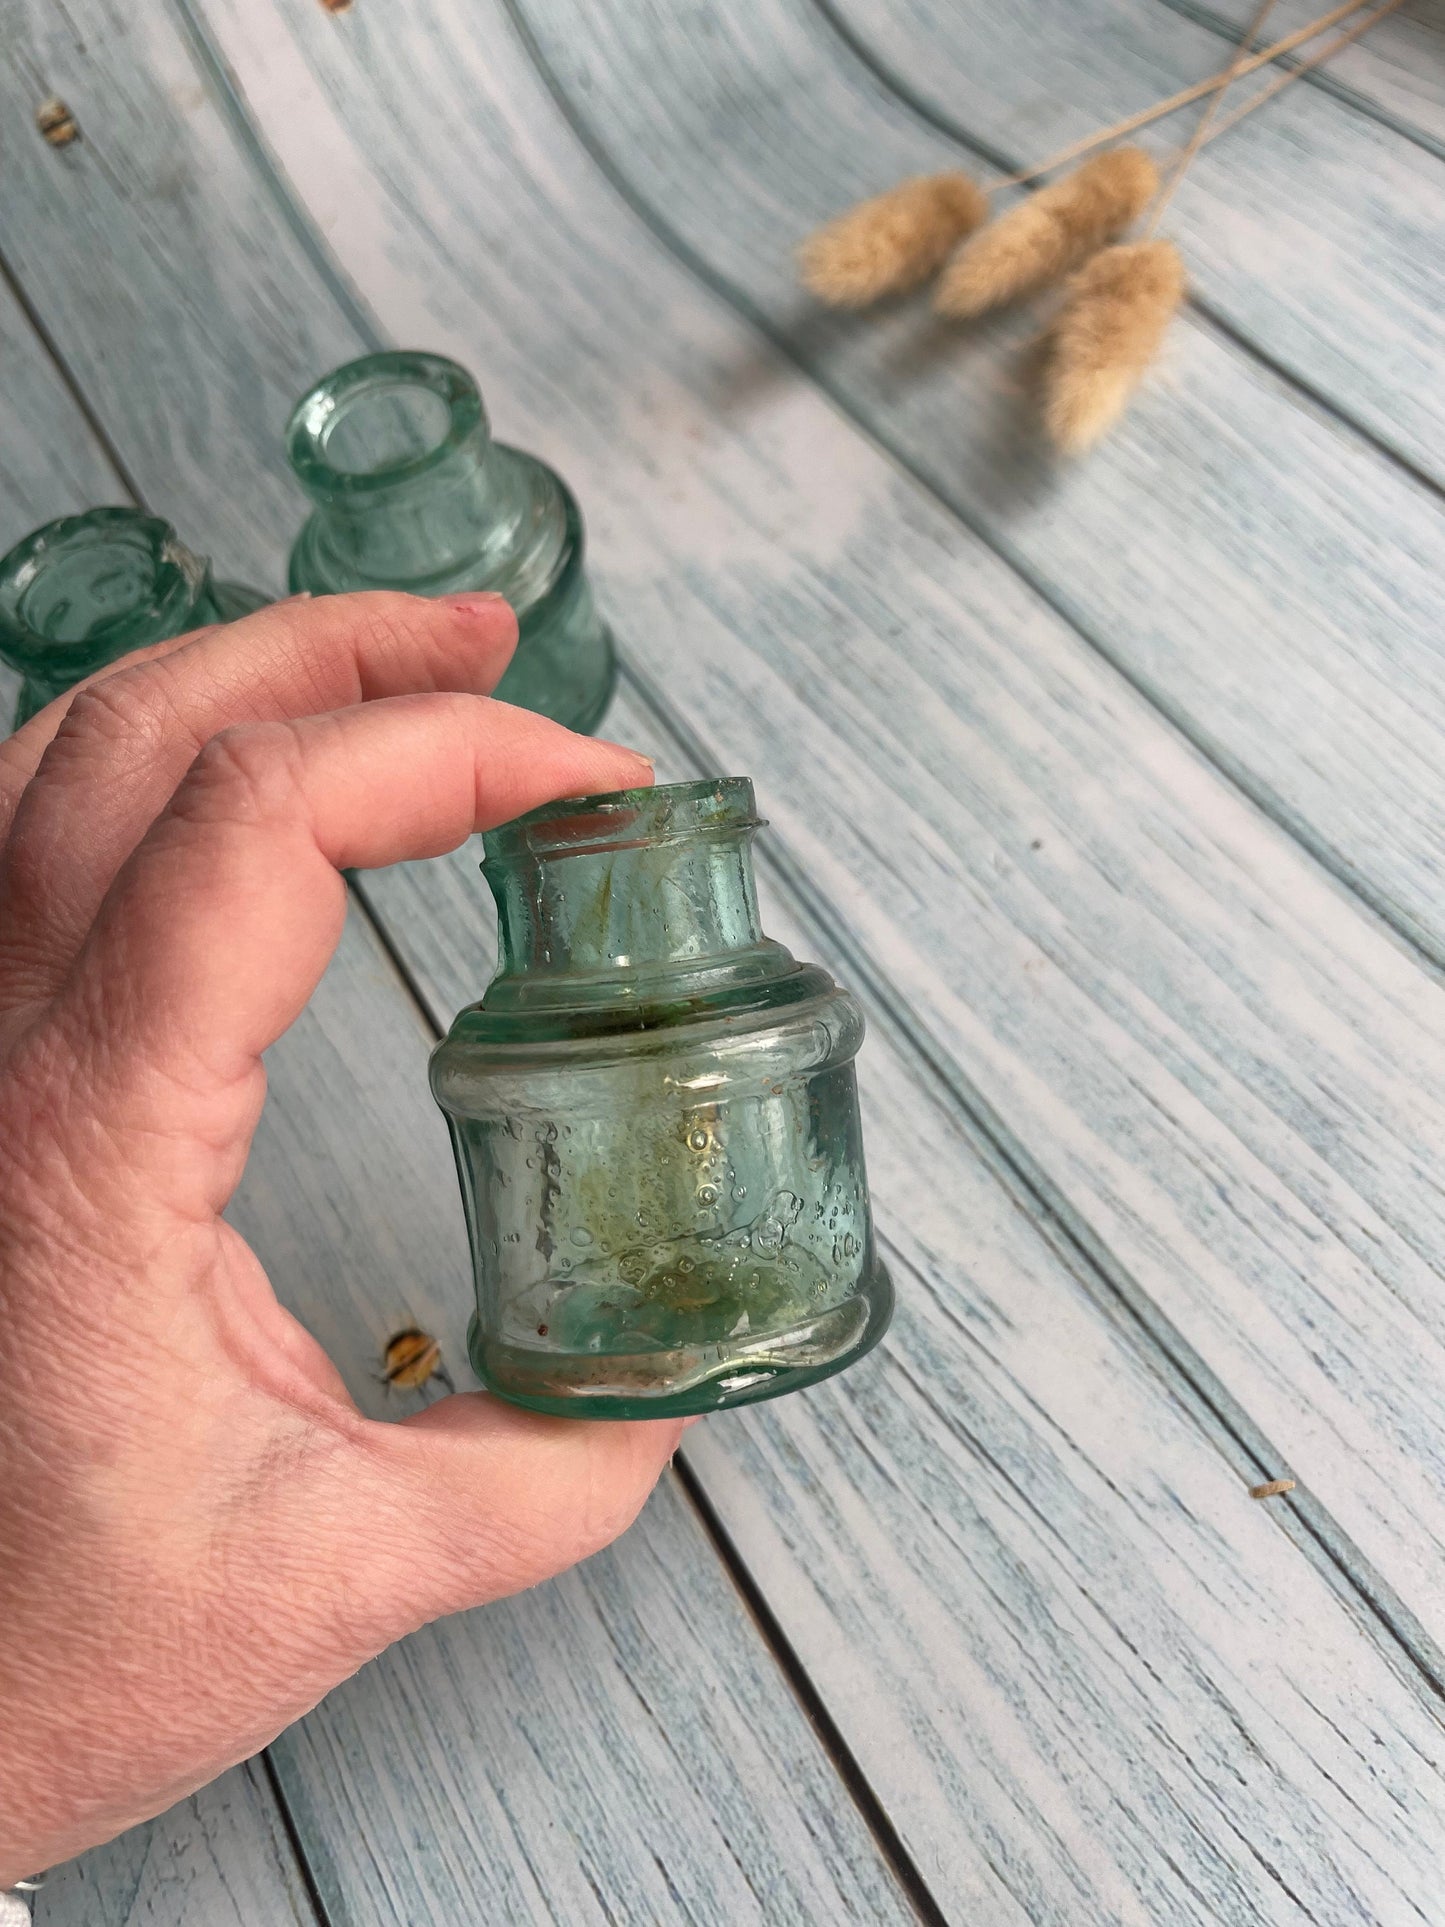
(410, 490)
(78, 593)
(645, 894)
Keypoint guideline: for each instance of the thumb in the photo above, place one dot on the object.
(489, 1499)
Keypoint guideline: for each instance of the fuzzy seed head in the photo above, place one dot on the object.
(892, 242)
(1115, 314)
(1050, 233)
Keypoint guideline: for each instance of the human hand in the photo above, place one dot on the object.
(200, 1534)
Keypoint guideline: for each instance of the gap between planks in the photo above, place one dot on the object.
(304, 1869)
(72, 387)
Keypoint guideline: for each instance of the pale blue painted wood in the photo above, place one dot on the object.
(1206, 1057)
(198, 340)
(574, 1757)
(1396, 69)
(50, 462)
(219, 1859)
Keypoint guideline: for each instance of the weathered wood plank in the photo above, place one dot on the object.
(50, 462)
(196, 344)
(1064, 1645)
(1273, 585)
(219, 1859)
(618, 1746)
(523, 1764)
(1212, 1064)
(1397, 68)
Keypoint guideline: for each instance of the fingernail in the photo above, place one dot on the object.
(473, 602)
(301, 595)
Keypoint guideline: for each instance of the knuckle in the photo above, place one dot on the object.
(250, 772)
(130, 706)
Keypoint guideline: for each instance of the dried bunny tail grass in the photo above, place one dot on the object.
(1115, 314)
(1051, 232)
(892, 242)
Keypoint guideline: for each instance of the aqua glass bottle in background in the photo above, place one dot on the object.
(655, 1119)
(412, 493)
(83, 591)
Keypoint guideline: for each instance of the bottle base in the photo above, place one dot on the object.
(673, 1384)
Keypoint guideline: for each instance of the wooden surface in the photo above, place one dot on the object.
(1113, 790)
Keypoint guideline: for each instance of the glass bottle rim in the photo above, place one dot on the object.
(176, 577)
(625, 819)
(316, 417)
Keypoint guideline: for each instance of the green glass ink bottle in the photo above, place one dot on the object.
(412, 493)
(83, 591)
(655, 1119)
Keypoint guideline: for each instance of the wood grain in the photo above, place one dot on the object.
(1206, 1059)
(196, 343)
(219, 1859)
(50, 462)
(1397, 69)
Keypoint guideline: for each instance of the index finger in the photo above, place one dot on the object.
(292, 658)
(217, 930)
(117, 753)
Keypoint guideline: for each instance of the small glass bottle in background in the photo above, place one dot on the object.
(655, 1118)
(412, 493)
(87, 589)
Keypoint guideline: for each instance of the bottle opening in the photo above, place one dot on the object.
(627, 819)
(387, 426)
(88, 578)
(382, 420)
